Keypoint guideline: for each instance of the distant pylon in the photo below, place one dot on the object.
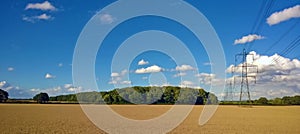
(243, 70)
(229, 91)
(229, 94)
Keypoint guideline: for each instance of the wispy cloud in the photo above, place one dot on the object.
(207, 78)
(60, 64)
(40, 6)
(179, 74)
(207, 64)
(118, 78)
(14, 91)
(125, 82)
(19, 92)
(107, 18)
(284, 15)
(187, 83)
(33, 19)
(10, 69)
(115, 82)
(184, 68)
(248, 38)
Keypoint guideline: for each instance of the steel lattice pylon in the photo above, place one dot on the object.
(243, 70)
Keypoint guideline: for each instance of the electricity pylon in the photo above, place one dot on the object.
(245, 72)
(229, 93)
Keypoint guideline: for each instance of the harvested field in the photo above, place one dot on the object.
(63, 118)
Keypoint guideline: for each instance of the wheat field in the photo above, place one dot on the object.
(67, 118)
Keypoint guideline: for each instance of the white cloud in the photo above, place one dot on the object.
(49, 76)
(41, 6)
(207, 64)
(160, 85)
(33, 19)
(4, 84)
(68, 86)
(117, 78)
(284, 15)
(179, 74)
(107, 18)
(17, 92)
(206, 78)
(248, 38)
(44, 17)
(144, 78)
(184, 68)
(126, 82)
(124, 72)
(270, 64)
(71, 88)
(28, 19)
(230, 69)
(114, 74)
(60, 64)
(143, 62)
(34, 90)
(113, 82)
(14, 91)
(206, 75)
(151, 69)
(277, 76)
(186, 84)
(60, 90)
(10, 69)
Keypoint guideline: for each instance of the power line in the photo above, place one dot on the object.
(291, 47)
(282, 36)
(258, 16)
(266, 13)
(258, 27)
(288, 49)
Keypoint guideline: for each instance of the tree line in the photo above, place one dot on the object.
(152, 95)
(286, 100)
(143, 95)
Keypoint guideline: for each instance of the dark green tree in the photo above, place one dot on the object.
(212, 99)
(276, 101)
(143, 95)
(262, 100)
(288, 100)
(41, 98)
(169, 95)
(296, 100)
(3, 95)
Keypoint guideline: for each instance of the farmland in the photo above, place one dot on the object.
(67, 118)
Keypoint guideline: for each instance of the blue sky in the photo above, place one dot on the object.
(37, 45)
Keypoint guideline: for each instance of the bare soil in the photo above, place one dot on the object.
(64, 118)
